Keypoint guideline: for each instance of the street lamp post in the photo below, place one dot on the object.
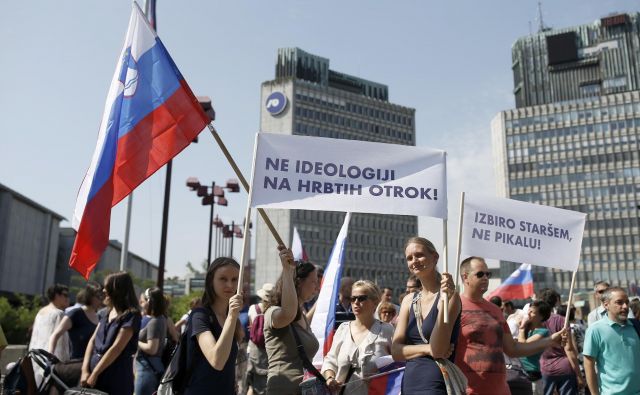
(209, 199)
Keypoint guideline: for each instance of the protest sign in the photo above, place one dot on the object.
(316, 173)
(522, 232)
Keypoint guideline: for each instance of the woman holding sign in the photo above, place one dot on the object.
(421, 337)
(289, 341)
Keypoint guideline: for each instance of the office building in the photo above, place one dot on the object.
(572, 142)
(585, 61)
(308, 98)
(28, 244)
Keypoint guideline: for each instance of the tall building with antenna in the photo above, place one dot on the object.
(314, 100)
(573, 141)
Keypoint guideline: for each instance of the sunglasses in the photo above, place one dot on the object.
(359, 298)
(601, 291)
(482, 274)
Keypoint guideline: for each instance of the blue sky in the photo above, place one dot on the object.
(450, 60)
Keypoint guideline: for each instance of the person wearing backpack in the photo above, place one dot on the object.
(258, 361)
(213, 332)
(148, 363)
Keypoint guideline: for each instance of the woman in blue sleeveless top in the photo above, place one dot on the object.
(422, 374)
(108, 360)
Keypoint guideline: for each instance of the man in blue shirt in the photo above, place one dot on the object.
(613, 344)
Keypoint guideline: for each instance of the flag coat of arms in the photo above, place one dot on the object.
(150, 116)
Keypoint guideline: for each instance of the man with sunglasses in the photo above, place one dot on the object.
(485, 336)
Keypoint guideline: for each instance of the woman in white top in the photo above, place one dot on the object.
(357, 344)
(45, 324)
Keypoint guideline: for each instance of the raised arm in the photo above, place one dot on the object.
(217, 351)
(64, 325)
(286, 313)
(399, 349)
(440, 340)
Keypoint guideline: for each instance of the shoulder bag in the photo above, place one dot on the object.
(454, 379)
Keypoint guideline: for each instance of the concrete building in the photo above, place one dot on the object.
(317, 101)
(572, 142)
(28, 244)
(578, 62)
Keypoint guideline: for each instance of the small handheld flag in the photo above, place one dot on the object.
(150, 116)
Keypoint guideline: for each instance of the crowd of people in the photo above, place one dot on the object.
(113, 341)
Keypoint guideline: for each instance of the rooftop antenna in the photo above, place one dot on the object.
(541, 26)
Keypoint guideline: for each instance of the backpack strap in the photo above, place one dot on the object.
(258, 311)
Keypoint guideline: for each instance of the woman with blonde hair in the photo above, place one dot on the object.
(421, 336)
(357, 344)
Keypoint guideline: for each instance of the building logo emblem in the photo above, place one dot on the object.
(276, 103)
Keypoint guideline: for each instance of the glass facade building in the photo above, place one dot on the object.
(326, 103)
(573, 143)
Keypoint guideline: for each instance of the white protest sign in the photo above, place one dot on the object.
(522, 232)
(316, 173)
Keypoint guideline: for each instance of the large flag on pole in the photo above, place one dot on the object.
(149, 117)
(324, 318)
(519, 285)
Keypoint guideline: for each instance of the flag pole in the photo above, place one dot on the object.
(445, 255)
(125, 243)
(247, 220)
(459, 246)
(244, 183)
(150, 10)
(573, 282)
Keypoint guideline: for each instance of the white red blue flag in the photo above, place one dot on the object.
(519, 285)
(299, 253)
(149, 117)
(389, 382)
(324, 318)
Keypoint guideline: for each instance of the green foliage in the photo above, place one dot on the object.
(181, 304)
(17, 318)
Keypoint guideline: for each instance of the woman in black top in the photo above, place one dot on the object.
(214, 330)
(108, 361)
(80, 322)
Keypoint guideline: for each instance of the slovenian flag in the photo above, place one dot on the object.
(324, 318)
(519, 285)
(149, 117)
(388, 382)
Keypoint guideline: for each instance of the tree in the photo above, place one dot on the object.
(17, 318)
